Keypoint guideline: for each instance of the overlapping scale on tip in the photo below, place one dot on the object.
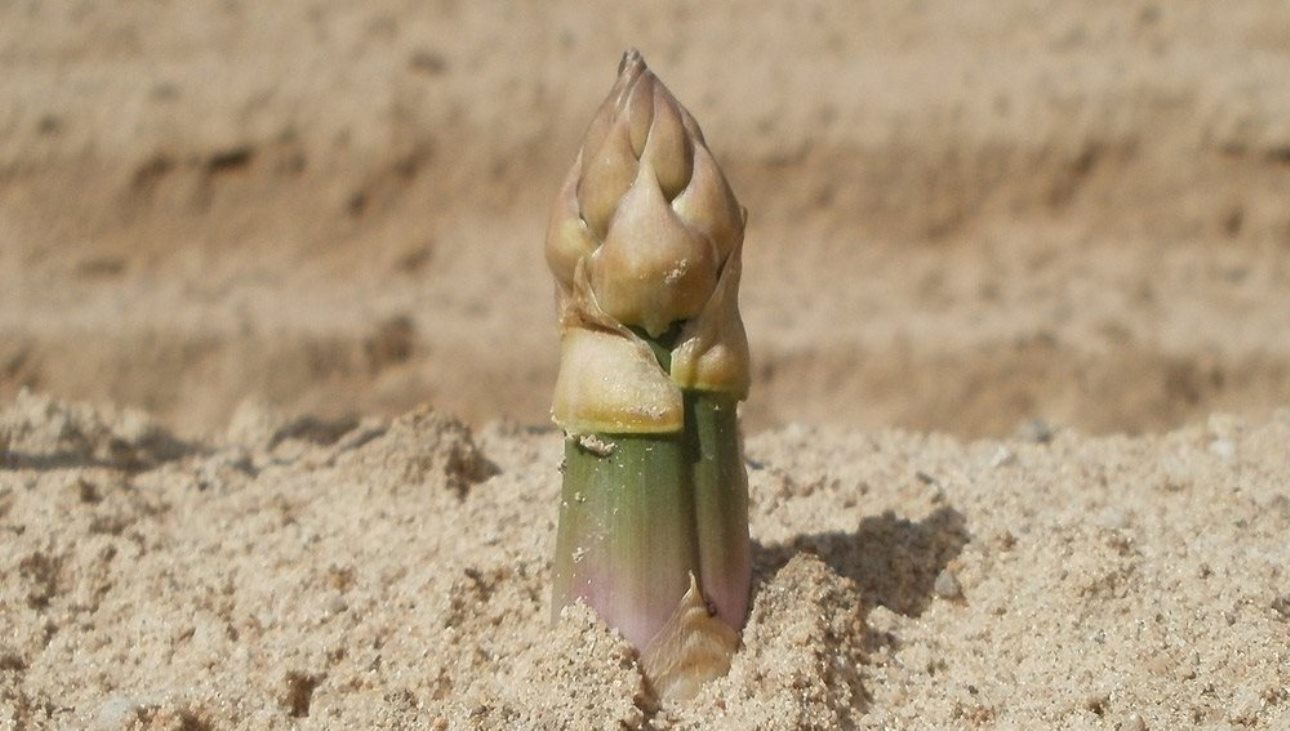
(652, 269)
(630, 71)
(669, 151)
(639, 110)
(708, 205)
(568, 240)
(612, 384)
(648, 213)
(609, 380)
(692, 126)
(712, 352)
(606, 177)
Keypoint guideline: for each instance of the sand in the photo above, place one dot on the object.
(395, 575)
(276, 354)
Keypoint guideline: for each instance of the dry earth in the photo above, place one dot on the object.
(961, 217)
(396, 575)
(1047, 240)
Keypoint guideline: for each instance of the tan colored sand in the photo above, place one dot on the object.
(395, 576)
(962, 215)
(278, 226)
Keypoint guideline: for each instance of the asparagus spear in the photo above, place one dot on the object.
(645, 243)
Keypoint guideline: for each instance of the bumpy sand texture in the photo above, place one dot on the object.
(255, 235)
(395, 575)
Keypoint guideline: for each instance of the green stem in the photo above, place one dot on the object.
(626, 542)
(640, 513)
(720, 486)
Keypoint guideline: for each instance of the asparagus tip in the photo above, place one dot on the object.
(631, 57)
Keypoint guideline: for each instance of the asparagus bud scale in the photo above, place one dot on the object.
(644, 243)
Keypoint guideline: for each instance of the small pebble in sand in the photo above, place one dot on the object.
(115, 713)
(1036, 431)
(947, 585)
(1282, 606)
(1224, 449)
(1133, 722)
(1114, 518)
(1002, 456)
(1096, 702)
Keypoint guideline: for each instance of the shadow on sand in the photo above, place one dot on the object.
(894, 561)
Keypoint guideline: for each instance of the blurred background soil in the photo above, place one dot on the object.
(963, 216)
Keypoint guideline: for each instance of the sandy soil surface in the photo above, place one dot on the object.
(1005, 261)
(395, 575)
